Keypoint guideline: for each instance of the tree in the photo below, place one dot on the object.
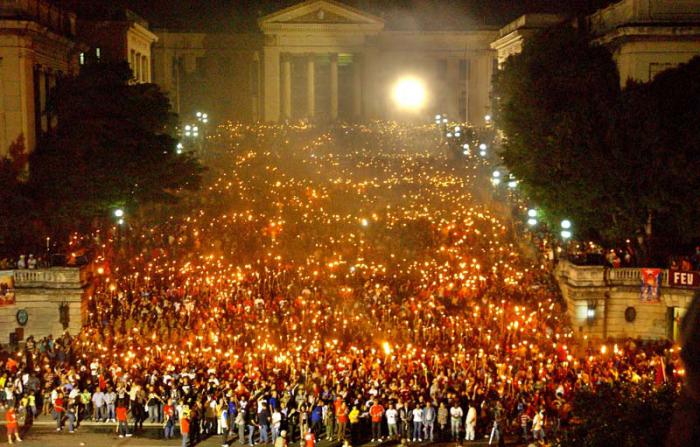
(587, 150)
(114, 146)
(621, 414)
(555, 104)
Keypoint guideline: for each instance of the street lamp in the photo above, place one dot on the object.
(465, 146)
(532, 221)
(178, 148)
(482, 149)
(119, 213)
(532, 212)
(566, 224)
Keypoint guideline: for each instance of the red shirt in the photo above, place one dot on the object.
(185, 426)
(376, 412)
(121, 414)
(341, 413)
(310, 439)
(58, 405)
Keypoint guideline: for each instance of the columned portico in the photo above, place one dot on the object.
(312, 61)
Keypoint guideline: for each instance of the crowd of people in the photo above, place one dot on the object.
(349, 284)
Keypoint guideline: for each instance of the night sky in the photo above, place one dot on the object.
(232, 15)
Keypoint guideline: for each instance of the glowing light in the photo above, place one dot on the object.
(566, 224)
(119, 212)
(565, 234)
(532, 212)
(409, 93)
(532, 221)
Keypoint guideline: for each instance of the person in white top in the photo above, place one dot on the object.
(391, 420)
(456, 415)
(538, 426)
(417, 424)
(470, 423)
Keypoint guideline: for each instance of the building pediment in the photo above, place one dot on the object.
(320, 15)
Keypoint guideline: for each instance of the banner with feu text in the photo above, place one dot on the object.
(651, 285)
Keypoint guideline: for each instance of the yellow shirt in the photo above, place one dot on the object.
(354, 416)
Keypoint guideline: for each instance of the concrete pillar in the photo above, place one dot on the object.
(334, 87)
(271, 68)
(286, 88)
(43, 94)
(369, 83)
(453, 88)
(357, 86)
(311, 85)
(478, 88)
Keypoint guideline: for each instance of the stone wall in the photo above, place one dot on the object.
(41, 293)
(598, 297)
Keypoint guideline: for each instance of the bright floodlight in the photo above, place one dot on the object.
(532, 221)
(409, 93)
(565, 234)
(566, 224)
(119, 212)
(496, 174)
(532, 212)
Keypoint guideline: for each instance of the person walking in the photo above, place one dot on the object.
(11, 425)
(169, 417)
(470, 424)
(456, 415)
(392, 417)
(185, 428)
(376, 412)
(122, 423)
(417, 424)
(429, 421)
(538, 426)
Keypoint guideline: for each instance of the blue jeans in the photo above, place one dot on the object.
(71, 421)
(417, 429)
(169, 430)
(263, 434)
(429, 427)
(185, 439)
(251, 432)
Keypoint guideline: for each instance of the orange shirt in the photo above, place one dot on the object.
(310, 439)
(11, 418)
(185, 426)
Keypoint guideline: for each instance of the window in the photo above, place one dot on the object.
(82, 58)
(98, 53)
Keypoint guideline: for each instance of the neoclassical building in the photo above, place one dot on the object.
(323, 60)
(645, 37)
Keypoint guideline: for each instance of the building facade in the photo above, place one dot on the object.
(37, 47)
(323, 61)
(122, 37)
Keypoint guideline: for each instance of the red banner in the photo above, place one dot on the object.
(651, 285)
(678, 278)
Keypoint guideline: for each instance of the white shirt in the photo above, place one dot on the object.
(417, 415)
(471, 416)
(456, 412)
(391, 415)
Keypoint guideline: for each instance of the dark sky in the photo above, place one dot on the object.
(404, 14)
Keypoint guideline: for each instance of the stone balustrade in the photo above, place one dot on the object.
(53, 278)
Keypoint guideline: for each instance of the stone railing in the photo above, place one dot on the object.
(57, 277)
(599, 276)
(42, 12)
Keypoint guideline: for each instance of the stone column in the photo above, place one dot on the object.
(453, 89)
(271, 67)
(356, 86)
(311, 85)
(286, 88)
(334, 87)
(43, 94)
(369, 83)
